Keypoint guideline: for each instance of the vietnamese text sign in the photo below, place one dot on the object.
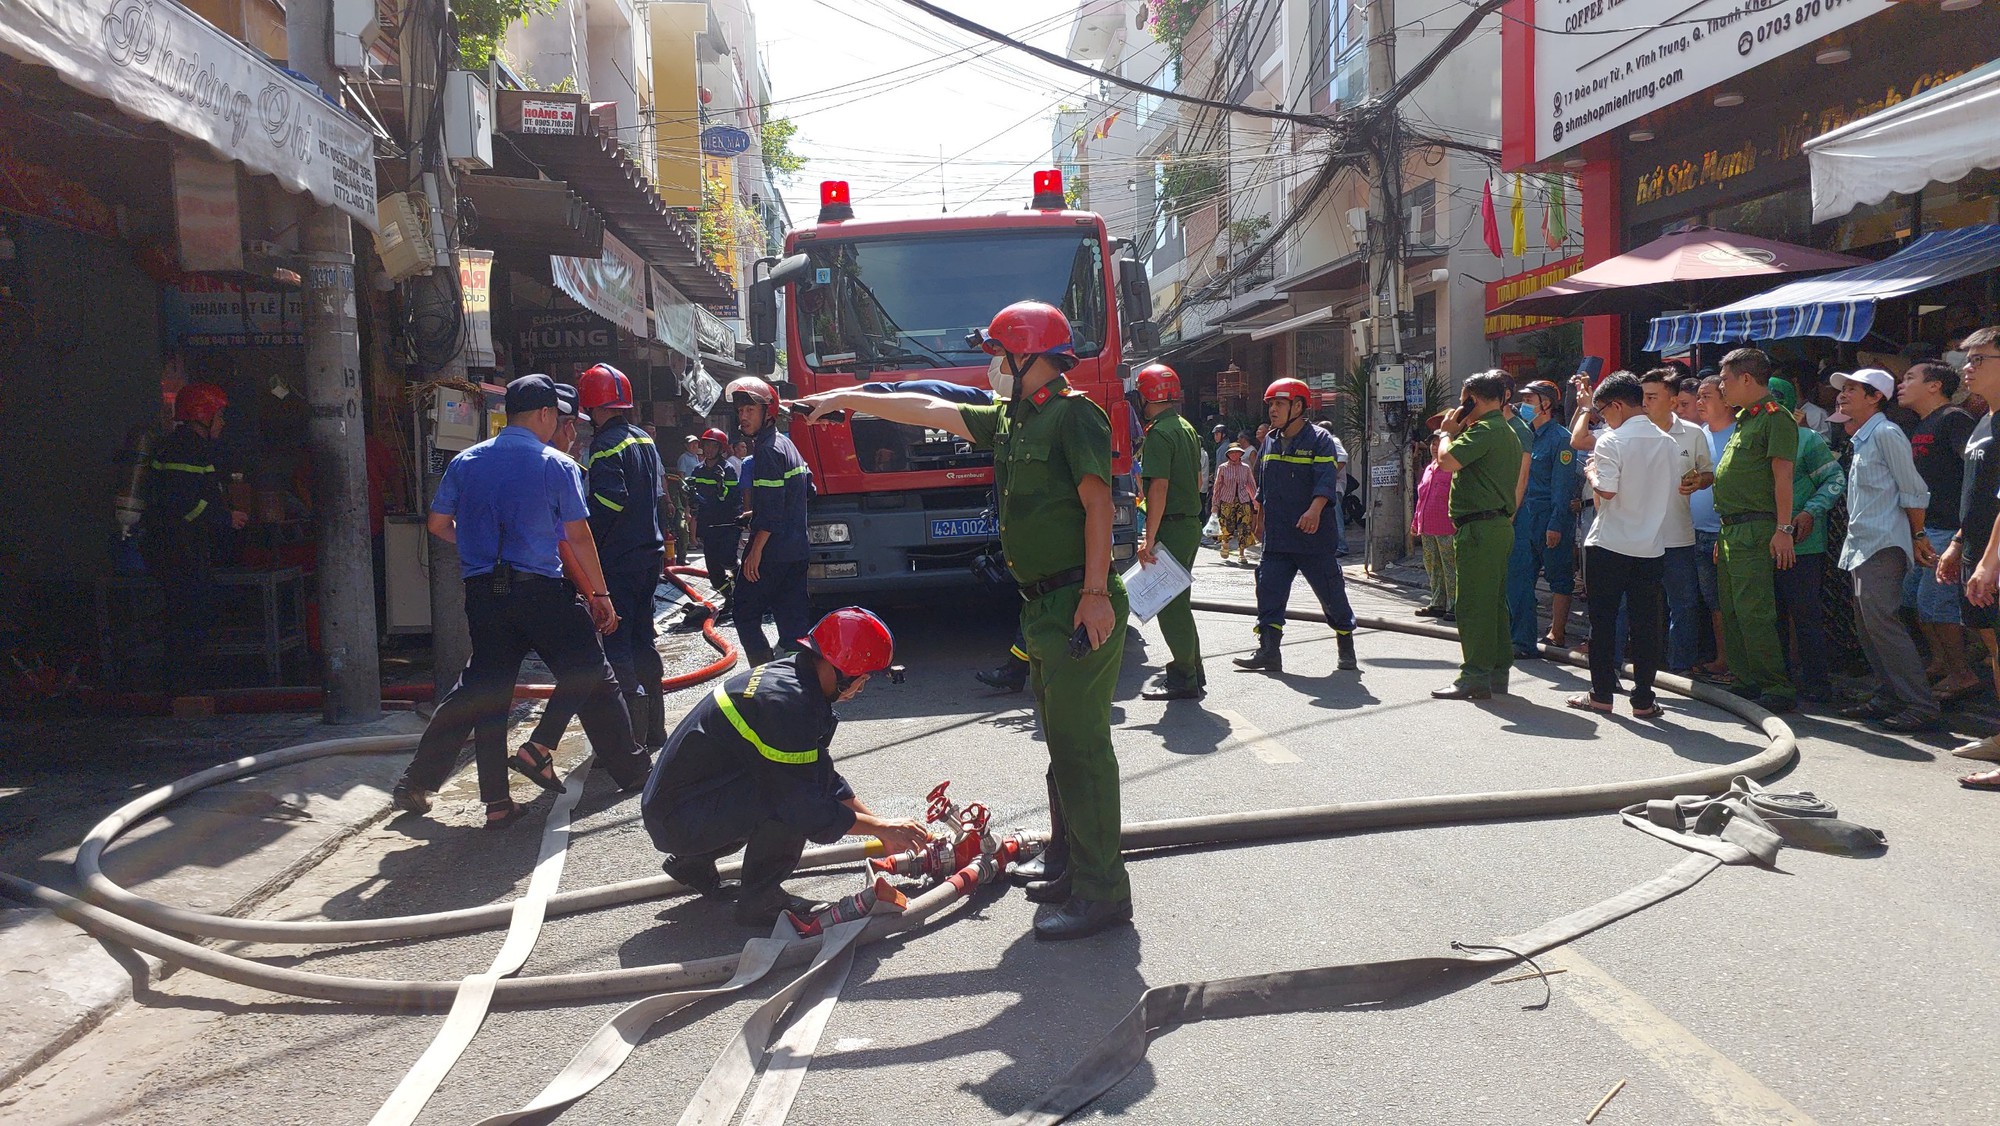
(208, 313)
(156, 60)
(1600, 64)
(1500, 292)
(573, 336)
(475, 288)
(613, 287)
(558, 118)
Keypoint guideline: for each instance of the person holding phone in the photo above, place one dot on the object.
(1484, 458)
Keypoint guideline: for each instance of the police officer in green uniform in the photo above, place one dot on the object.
(1052, 460)
(1753, 485)
(1171, 473)
(1483, 455)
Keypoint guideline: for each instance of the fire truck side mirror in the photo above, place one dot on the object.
(1143, 337)
(1136, 289)
(760, 359)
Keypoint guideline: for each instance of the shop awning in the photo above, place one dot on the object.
(1285, 326)
(1841, 304)
(560, 134)
(160, 62)
(1687, 269)
(1934, 138)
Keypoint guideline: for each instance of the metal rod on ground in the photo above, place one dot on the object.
(1604, 1102)
(335, 431)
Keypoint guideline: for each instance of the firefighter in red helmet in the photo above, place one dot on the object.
(1171, 479)
(1052, 463)
(718, 505)
(184, 510)
(776, 486)
(750, 768)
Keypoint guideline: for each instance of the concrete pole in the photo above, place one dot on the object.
(1386, 421)
(350, 660)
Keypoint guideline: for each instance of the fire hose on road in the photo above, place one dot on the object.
(120, 915)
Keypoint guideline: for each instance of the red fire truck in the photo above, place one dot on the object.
(898, 510)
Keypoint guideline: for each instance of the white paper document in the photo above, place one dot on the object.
(1150, 588)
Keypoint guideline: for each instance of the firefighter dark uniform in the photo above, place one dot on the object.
(749, 768)
(184, 510)
(1552, 484)
(1296, 470)
(776, 490)
(718, 507)
(623, 485)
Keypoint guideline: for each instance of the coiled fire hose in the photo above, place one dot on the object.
(122, 916)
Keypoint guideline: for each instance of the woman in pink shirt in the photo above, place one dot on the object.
(1235, 501)
(1432, 522)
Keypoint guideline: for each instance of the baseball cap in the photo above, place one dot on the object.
(565, 400)
(531, 393)
(1876, 379)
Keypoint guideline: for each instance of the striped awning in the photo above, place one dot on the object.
(1841, 304)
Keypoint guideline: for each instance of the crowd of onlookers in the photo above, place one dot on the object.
(1736, 533)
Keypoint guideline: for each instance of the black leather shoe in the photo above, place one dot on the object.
(1345, 644)
(695, 875)
(1010, 677)
(1080, 918)
(764, 912)
(1171, 687)
(1866, 710)
(1461, 692)
(1049, 891)
(408, 800)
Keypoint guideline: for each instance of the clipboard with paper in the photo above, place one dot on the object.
(1149, 587)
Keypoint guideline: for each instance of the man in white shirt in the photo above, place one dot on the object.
(1678, 575)
(1635, 473)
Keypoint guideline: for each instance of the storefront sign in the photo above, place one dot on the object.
(613, 287)
(34, 189)
(575, 336)
(673, 318)
(1500, 292)
(475, 289)
(158, 61)
(724, 140)
(208, 218)
(557, 118)
(716, 336)
(209, 313)
(1600, 64)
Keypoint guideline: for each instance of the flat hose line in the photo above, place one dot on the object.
(140, 923)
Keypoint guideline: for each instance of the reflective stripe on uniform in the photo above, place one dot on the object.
(610, 504)
(599, 455)
(779, 482)
(743, 728)
(1300, 459)
(183, 467)
(195, 512)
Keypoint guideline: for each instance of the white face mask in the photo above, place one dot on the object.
(999, 378)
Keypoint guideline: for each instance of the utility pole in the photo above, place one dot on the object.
(336, 431)
(1386, 478)
(451, 637)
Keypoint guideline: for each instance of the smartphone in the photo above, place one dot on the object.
(1079, 643)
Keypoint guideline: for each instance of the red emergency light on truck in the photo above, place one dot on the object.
(897, 509)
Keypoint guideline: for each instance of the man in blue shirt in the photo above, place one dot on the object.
(1544, 529)
(776, 487)
(510, 503)
(1300, 480)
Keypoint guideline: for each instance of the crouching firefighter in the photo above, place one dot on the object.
(625, 476)
(751, 768)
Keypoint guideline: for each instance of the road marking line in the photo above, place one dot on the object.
(1246, 734)
(1733, 1096)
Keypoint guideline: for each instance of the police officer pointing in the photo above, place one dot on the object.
(624, 475)
(751, 767)
(1052, 461)
(508, 503)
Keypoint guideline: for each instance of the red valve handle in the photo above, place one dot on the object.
(940, 805)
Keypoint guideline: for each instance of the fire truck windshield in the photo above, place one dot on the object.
(902, 302)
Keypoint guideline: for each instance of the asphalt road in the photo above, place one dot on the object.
(1836, 991)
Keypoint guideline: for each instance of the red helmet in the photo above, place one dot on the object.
(750, 389)
(603, 386)
(1029, 328)
(1159, 383)
(853, 641)
(199, 402)
(713, 435)
(1289, 389)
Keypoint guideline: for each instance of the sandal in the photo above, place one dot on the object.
(1583, 702)
(1984, 780)
(1554, 644)
(500, 814)
(537, 766)
(1650, 711)
(1953, 696)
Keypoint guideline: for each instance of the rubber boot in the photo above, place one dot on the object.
(655, 736)
(1267, 657)
(1010, 677)
(1344, 639)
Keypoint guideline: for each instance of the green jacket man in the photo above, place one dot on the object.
(1171, 479)
(1483, 455)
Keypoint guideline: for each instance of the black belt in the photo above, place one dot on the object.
(1729, 518)
(1475, 517)
(1055, 582)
